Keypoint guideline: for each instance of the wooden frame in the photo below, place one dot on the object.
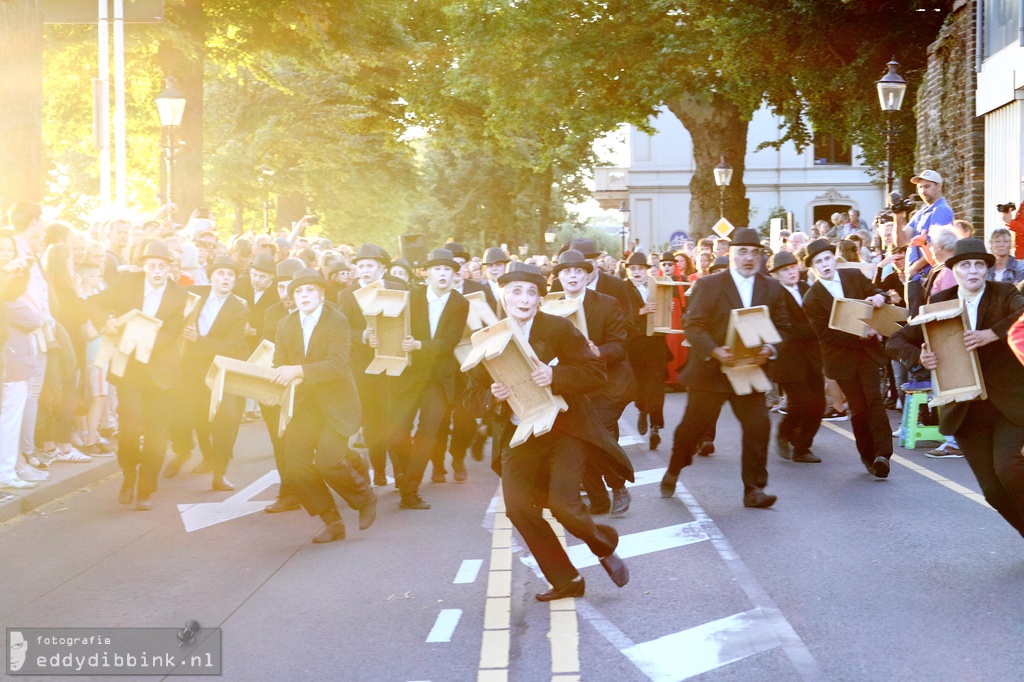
(569, 308)
(136, 338)
(866, 269)
(553, 296)
(230, 376)
(191, 315)
(480, 315)
(749, 330)
(510, 360)
(958, 376)
(856, 317)
(263, 355)
(387, 315)
(661, 290)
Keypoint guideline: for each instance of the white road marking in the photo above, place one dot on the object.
(204, 514)
(631, 440)
(444, 626)
(646, 477)
(468, 571)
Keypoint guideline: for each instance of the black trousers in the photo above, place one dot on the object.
(647, 358)
(271, 415)
(458, 425)
(702, 410)
(373, 395)
(192, 415)
(410, 453)
(805, 404)
(870, 423)
(318, 457)
(991, 444)
(608, 413)
(547, 471)
(143, 409)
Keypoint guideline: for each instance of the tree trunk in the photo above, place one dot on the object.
(544, 197)
(184, 63)
(21, 92)
(717, 127)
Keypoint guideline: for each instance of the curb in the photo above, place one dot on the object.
(65, 481)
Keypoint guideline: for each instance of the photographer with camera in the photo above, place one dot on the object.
(915, 232)
(1015, 223)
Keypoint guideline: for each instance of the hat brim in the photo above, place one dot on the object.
(776, 268)
(583, 265)
(529, 277)
(989, 259)
(296, 283)
(810, 256)
(442, 261)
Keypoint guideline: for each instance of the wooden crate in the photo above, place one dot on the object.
(387, 315)
(571, 309)
(136, 337)
(856, 317)
(480, 315)
(749, 330)
(510, 360)
(191, 314)
(662, 290)
(230, 376)
(263, 355)
(958, 377)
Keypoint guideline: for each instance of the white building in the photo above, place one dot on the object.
(1000, 99)
(812, 185)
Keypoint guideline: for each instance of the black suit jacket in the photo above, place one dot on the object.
(606, 328)
(836, 346)
(707, 324)
(226, 337)
(578, 373)
(607, 285)
(328, 383)
(125, 294)
(257, 309)
(435, 361)
(470, 286)
(799, 356)
(271, 318)
(1000, 306)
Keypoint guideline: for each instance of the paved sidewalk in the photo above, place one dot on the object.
(65, 477)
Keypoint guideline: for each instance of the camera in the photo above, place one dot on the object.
(313, 220)
(1007, 207)
(897, 204)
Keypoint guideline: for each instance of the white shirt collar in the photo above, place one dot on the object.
(315, 315)
(593, 285)
(431, 296)
(149, 288)
(971, 300)
(526, 327)
(581, 294)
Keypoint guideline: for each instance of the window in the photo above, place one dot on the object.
(1001, 22)
(829, 151)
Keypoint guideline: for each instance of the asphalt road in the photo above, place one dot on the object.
(846, 578)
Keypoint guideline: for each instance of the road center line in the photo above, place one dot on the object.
(444, 626)
(924, 471)
(468, 571)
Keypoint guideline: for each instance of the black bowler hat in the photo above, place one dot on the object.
(494, 255)
(442, 257)
(225, 262)
(745, 236)
(287, 268)
(668, 257)
(306, 276)
(816, 247)
(264, 262)
(404, 264)
(572, 259)
(781, 260)
(525, 272)
(458, 250)
(720, 263)
(372, 252)
(970, 249)
(638, 258)
(586, 246)
(158, 249)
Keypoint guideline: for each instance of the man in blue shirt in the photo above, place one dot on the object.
(915, 233)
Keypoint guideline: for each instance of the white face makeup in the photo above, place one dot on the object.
(522, 300)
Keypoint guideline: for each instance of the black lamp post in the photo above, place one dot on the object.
(723, 176)
(624, 231)
(891, 89)
(170, 104)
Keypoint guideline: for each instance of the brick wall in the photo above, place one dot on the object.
(950, 138)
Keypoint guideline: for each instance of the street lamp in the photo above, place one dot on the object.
(891, 89)
(624, 232)
(170, 104)
(549, 236)
(723, 176)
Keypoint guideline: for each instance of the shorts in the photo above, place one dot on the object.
(98, 386)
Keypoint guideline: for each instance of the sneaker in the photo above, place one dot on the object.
(779, 407)
(27, 473)
(5, 497)
(47, 457)
(916, 386)
(898, 433)
(833, 416)
(18, 484)
(73, 456)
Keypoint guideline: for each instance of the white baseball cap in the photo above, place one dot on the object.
(929, 175)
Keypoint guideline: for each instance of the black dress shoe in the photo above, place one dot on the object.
(807, 457)
(573, 588)
(437, 477)
(174, 465)
(282, 504)
(668, 485)
(600, 508)
(783, 448)
(476, 449)
(330, 532)
(380, 480)
(368, 513)
(641, 424)
(413, 501)
(459, 470)
(756, 497)
(655, 438)
(222, 484)
(143, 504)
(706, 448)
(869, 467)
(620, 501)
(616, 569)
(881, 467)
(126, 495)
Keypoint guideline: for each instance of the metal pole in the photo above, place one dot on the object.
(169, 130)
(721, 202)
(120, 141)
(889, 132)
(103, 103)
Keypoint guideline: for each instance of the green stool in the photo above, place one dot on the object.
(911, 430)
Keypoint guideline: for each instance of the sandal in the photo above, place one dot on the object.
(33, 461)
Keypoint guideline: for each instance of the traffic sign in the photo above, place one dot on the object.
(723, 228)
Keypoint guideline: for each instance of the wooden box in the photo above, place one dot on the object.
(136, 337)
(480, 315)
(387, 315)
(749, 330)
(263, 355)
(958, 376)
(230, 376)
(662, 290)
(510, 360)
(191, 314)
(856, 317)
(571, 309)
